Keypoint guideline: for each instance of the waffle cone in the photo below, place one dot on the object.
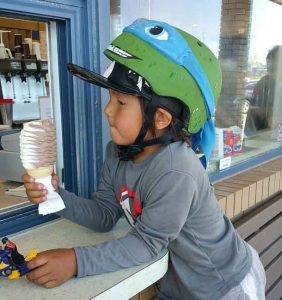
(40, 172)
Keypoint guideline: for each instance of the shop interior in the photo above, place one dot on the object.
(24, 96)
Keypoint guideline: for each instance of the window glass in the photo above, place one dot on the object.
(245, 36)
(24, 96)
(248, 115)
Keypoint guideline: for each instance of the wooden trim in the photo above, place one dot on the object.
(251, 222)
(275, 291)
(277, 181)
(250, 188)
(273, 272)
(266, 236)
(22, 24)
(222, 203)
(261, 228)
(270, 253)
(230, 201)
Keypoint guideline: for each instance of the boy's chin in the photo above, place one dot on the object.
(121, 142)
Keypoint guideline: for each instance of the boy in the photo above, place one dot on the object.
(162, 84)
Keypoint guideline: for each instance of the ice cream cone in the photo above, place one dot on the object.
(38, 155)
(40, 172)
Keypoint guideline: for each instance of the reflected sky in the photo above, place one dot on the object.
(202, 19)
(265, 29)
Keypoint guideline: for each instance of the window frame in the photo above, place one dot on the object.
(81, 118)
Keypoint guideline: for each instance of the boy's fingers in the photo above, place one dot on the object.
(37, 200)
(34, 186)
(36, 262)
(44, 279)
(54, 181)
(51, 284)
(36, 194)
(39, 273)
(54, 176)
(27, 178)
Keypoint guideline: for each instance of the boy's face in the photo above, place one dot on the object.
(124, 115)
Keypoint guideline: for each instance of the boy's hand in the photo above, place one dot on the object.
(36, 192)
(52, 267)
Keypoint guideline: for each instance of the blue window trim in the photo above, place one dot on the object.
(77, 24)
(21, 219)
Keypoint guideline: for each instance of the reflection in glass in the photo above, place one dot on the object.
(240, 33)
(265, 94)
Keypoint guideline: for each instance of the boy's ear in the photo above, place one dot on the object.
(162, 118)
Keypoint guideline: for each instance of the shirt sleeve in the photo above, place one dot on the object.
(165, 212)
(99, 213)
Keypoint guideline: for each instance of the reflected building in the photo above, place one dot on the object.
(233, 55)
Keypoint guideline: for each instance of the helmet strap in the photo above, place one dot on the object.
(127, 152)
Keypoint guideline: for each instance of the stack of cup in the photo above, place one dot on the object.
(6, 112)
(29, 42)
(18, 45)
(36, 50)
(25, 50)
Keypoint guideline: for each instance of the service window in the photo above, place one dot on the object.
(26, 94)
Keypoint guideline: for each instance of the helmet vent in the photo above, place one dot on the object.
(200, 44)
(133, 77)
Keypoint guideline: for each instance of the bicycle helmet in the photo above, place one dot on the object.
(167, 67)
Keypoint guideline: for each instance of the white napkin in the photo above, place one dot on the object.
(54, 201)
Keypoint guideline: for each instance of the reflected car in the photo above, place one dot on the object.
(250, 88)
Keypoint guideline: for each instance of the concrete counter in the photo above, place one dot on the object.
(65, 234)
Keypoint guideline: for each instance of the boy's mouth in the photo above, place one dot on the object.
(118, 51)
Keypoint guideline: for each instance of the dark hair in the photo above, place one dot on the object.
(181, 134)
(273, 52)
(272, 58)
(180, 118)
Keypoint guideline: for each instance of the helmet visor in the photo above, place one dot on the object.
(117, 77)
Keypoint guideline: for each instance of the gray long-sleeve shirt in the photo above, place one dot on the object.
(171, 205)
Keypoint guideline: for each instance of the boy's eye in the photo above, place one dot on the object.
(121, 102)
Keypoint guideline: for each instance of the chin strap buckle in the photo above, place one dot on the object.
(128, 152)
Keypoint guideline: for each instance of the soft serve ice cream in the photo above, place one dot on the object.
(38, 144)
(38, 155)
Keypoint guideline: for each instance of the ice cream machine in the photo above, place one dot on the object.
(22, 76)
(24, 81)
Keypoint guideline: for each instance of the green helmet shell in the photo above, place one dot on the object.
(166, 77)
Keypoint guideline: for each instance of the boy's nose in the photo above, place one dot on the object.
(107, 110)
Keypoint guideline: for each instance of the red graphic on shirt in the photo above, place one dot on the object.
(129, 197)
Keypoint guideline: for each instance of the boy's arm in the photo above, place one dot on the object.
(102, 211)
(99, 213)
(163, 216)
